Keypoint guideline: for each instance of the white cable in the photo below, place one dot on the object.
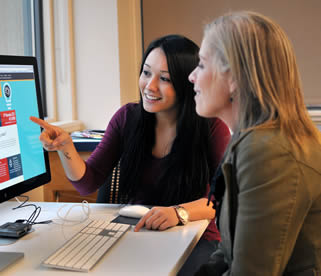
(86, 211)
(70, 222)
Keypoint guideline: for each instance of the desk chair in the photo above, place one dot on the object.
(109, 191)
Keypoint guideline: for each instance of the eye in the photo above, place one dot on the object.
(200, 65)
(165, 79)
(146, 73)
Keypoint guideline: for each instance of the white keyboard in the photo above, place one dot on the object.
(85, 248)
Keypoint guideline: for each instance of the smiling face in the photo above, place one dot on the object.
(155, 85)
(213, 88)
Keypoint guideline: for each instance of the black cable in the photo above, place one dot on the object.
(34, 215)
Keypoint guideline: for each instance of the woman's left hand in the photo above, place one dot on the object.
(158, 218)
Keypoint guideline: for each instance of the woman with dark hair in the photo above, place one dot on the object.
(166, 127)
(167, 152)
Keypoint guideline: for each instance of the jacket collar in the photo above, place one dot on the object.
(240, 137)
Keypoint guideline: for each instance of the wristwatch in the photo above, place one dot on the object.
(182, 214)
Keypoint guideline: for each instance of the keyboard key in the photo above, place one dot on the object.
(94, 258)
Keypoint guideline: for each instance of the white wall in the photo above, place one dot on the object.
(94, 54)
(97, 61)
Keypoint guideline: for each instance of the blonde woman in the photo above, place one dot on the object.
(269, 202)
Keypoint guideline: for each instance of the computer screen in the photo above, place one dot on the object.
(24, 163)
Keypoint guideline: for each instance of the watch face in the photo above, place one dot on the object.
(183, 214)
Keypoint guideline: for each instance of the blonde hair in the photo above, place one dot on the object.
(261, 60)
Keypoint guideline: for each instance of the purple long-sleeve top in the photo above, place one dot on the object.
(108, 152)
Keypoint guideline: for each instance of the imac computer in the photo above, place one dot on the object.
(24, 164)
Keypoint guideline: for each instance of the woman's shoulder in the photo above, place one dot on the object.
(273, 140)
(263, 138)
(127, 108)
(121, 116)
(125, 111)
(265, 152)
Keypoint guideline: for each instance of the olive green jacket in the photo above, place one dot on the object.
(274, 227)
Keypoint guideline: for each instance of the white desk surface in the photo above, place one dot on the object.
(136, 253)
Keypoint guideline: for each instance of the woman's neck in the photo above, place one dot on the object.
(165, 134)
(230, 116)
(166, 119)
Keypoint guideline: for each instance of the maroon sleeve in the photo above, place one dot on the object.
(106, 155)
(220, 137)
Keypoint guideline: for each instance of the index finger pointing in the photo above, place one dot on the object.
(41, 123)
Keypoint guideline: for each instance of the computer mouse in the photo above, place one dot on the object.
(133, 211)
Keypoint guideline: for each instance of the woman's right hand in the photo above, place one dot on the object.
(53, 138)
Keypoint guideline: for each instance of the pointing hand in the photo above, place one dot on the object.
(53, 138)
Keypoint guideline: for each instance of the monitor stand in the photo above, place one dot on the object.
(8, 258)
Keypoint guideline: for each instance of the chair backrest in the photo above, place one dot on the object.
(109, 191)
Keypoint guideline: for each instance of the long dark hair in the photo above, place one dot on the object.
(186, 170)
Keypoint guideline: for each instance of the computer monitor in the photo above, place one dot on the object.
(24, 164)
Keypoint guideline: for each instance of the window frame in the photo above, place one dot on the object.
(39, 49)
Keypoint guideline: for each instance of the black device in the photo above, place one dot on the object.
(24, 165)
(14, 229)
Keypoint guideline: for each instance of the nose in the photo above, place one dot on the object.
(152, 84)
(191, 76)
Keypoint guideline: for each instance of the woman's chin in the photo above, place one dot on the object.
(148, 107)
(201, 111)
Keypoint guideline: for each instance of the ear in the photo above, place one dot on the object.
(231, 83)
